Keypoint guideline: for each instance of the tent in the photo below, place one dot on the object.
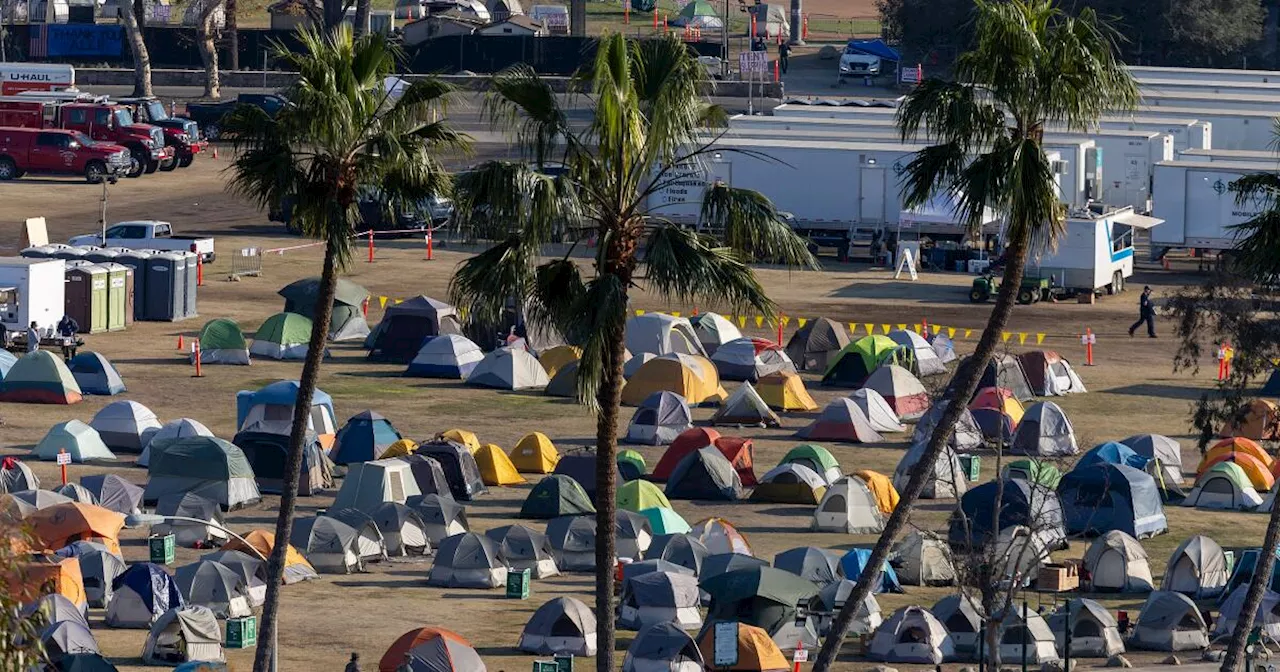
(633, 364)
(141, 595)
(534, 453)
(524, 548)
(210, 584)
(581, 467)
(1112, 452)
(817, 458)
(495, 467)
(947, 481)
(912, 635)
(856, 361)
(404, 533)
(790, 484)
(811, 563)
(1103, 497)
(282, 336)
(965, 437)
(1159, 447)
(662, 647)
(270, 409)
(564, 382)
(1234, 445)
(784, 391)
(556, 359)
(56, 526)
(446, 356)
(1094, 631)
(761, 596)
(684, 444)
(508, 369)
(459, 467)
(330, 545)
(704, 475)
(406, 324)
(266, 453)
(24, 503)
(1024, 504)
(750, 359)
(1272, 387)
(221, 342)
(174, 429)
(1049, 374)
(7, 360)
(370, 546)
(848, 506)
(441, 516)
(99, 567)
(432, 649)
(556, 495)
(1036, 471)
(662, 334)
(691, 376)
(1197, 568)
(698, 14)
(923, 559)
(739, 453)
(113, 492)
(463, 437)
(468, 560)
(1005, 371)
(683, 549)
(878, 411)
(712, 329)
(40, 377)
(659, 419)
(904, 392)
(757, 652)
(1025, 636)
(183, 634)
(1116, 562)
(720, 536)
(31, 580)
(843, 421)
(1224, 486)
(428, 473)
(347, 322)
(61, 638)
(125, 425)
(573, 538)
(664, 520)
(817, 344)
(1169, 621)
(259, 543)
(639, 495)
(95, 374)
(631, 465)
(1018, 556)
(745, 408)
(189, 534)
(1044, 430)
(563, 625)
(75, 438)
(924, 360)
(960, 613)
(401, 448)
(1257, 471)
(854, 562)
(1266, 618)
(369, 484)
(365, 436)
(833, 597)
(16, 476)
(998, 399)
(76, 493)
(1260, 421)
(659, 597)
(944, 347)
(204, 465)
(85, 662)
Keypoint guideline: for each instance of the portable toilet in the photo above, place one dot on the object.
(119, 295)
(68, 252)
(85, 296)
(37, 252)
(166, 287)
(101, 255)
(136, 260)
(191, 263)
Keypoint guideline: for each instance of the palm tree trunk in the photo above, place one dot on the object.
(233, 37)
(209, 51)
(138, 46)
(610, 399)
(1253, 599)
(293, 461)
(966, 382)
(362, 16)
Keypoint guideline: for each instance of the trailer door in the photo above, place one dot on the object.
(871, 194)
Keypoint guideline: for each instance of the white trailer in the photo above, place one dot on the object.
(1095, 253)
(1231, 155)
(1232, 129)
(1209, 101)
(18, 77)
(1213, 75)
(1196, 202)
(37, 292)
(1176, 86)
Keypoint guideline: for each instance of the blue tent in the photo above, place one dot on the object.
(152, 584)
(1242, 573)
(95, 374)
(1113, 452)
(279, 393)
(853, 562)
(1024, 503)
(876, 47)
(7, 360)
(1271, 389)
(996, 425)
(363, 438)
(84, 662)
(1102, 497)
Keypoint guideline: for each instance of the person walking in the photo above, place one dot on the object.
(33, 338)
(1146, 313)
(784, 55)
(354, 665)
(67, 330)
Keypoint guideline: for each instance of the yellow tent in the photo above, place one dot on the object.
(639, 495)
(535, 454)
(464, 437)
(496, 467)
(880, 485)
(785, 391)
(556, 358)
(693, 377)
(1238, 444)
(399, 449)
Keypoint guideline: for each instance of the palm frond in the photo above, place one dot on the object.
(681, 265)
(1256, 188)
(556, 300)
(498, 198)
(668, 85)
(949, 113)
(1257, 242)
(522, 102)
(1034, 201)
(932, 169)
(752, 226)
(486, 282)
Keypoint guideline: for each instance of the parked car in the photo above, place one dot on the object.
(148, 234)
(59, 152)
(209, 115)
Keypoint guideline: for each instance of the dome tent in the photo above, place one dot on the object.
(761, 596)
(1197, 568)
(508, 369)
(965, 437)
(833, 597)
(681, 549)
(282, 336)
(948, 478)
(260, 543)
(251, 569)
(432, 649)
(842, 420)
(207, 466)
(661, 417)
(66, 637)
(534, 453)
(441, 516)
(468, 560)
(659, 597)
(665, 521)
(662, 647)
(581, 467)
(1094, 632)
(905, 394)
(878, 411)
(15, 476)
(1224, 486)
(459, 466)
(631, 465)
(209, 584)
(558, 358)
(1023, 504)
(856, 361)
(40, 377)
(923, 559)
(1024, 635)
(266, 453)
(190, 505)
(75, 438)
(961, 615)
(815, 345)
(1267, 617)
(1169, 621)
(886, 496)
(182, 634)
(1104, 497)
(662, 334)
(331, 545)
(95, 374)
(691, 376)
(269, 409)
(848, 506)
(364, 438)
(524, 548)
(222, 342)
(495, 467)
(639, 495)
(407, 324)
(174, 429)
(784, 391)
(556, 495)
(573, 538)
(749, 359)
(925, 358)
(563, 625)
(705, 475)
(141, 595)
(700, 14)
(720, 536)
(1044, 430)
(347, 322)
(404, 533)
(447, 356)
(114, 493)
(76, 493)
(817, 458)
(1116, 562)
(811, 563)
(1112, 452)
(125, 425)
(757, 652)
(1004, 371)
(790, 484)
(712, 329)
(99, 568)
(1159, 447)
(25, 503)
(1036, 471)
(854, 562)
(912, 635)
(1049, 374)
(745, 408)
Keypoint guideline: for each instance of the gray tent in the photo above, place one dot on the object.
(1044, 431)
(962, 617)
(251, 570)
(662, 334)
(125, 425)
(833, 597)
(848, 506)
(99, 568)
(663, 647)
(428, 474)
(1162, 448)
(713, 329)
(965, 437)
(442, 516)
(114, 492)
(659, 597)
(369, 542)
(16, 476)
(76, 493)
(745, 408)
(1169, 621)
(633, 533)
(177, 429)
(190, 505)
(1197, 568)
(641, 567)
(809, 562)
(56, 608)
(1024, 635)
(574, 540)
(27, 502)
(1094, 632)
(524, 548)
(370, 484)
(347, 322)
(468, 560)
(635, 362)
(509, 369)
(947, 481)
(1116, 562)
(1267, 617)
(681, 549)
(563, 625)
(208, 466)
(704, 474)
(721, 563)
(403, 530)
(923, 558)
(215, 586)
(912, 635)
(140, 595)
(659, 419)
(816, 344)
(184, 634)
(66, 637)
(330, 545)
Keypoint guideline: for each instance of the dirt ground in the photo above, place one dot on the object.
(1132, 390)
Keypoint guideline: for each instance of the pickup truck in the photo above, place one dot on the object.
(148, 235)
(100, 119)
(209, 115)
(55, 151)
(179, 132)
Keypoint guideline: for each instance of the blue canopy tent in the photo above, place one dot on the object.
(875, 47)
(1113, 452)
(853, 562)
(1101, 497)
(95, 374)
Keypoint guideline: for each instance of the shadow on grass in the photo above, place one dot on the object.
(1165, 391)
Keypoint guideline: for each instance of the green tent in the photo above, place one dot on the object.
(206, 465)
(1035, 471)
(282, 336)
(347, 322)
(764, 596)
(640, 495)
(554, 496)
(222, 342)
(856, 361)
(80, 441)
(700, 14)
(817, 458)
(40, 377)
(631, 465)
(665, 520)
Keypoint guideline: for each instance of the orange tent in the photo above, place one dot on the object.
(296, 567)
(45, 575)
(880, 486)
(1237, 444)
(432, 643)
(998, 399)
(1259, 474)
(1261, 422)
(756, 650)
(56, 526)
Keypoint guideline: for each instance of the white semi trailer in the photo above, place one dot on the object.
(1195, 200)
(1096, 252)
(1231, 155)
(1210, 101)
(1207, 75)
(1178, 86)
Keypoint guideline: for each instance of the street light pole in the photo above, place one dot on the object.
(140, 519)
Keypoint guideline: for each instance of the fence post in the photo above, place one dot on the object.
(1066, 649)
(1024, 635)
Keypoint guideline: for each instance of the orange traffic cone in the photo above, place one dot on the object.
(215, 152)
(180, 342)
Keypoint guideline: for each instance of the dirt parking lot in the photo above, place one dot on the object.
(1132, 390)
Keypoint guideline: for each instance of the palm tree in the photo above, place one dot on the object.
(341, 132)
(131, 15)
(1031, 66)
(648, 122)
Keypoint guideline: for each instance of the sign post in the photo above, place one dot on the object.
(64, 458)
(750, 63)
(725, 644)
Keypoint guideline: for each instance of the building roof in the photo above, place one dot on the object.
(521, 20)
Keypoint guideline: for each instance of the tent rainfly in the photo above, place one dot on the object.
(563, 625)
(713, 330)
(282, 336)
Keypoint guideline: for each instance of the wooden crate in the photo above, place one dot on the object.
(1055, 578)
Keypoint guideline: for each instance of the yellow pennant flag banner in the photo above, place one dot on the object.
(951, 332)
(915, 328)
(1005, 336)
(1039, 339)
(967, 332)
(399, 301)
(742, 321)
(785, 320)
(886, 328)
(759, 321)
(801, 321)
(1022, 338)
(639, 313)
(902, 327)
(382, 302)
(675, 314)
(937, 330)
(871, 328)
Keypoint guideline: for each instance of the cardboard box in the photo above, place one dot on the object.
(1055, 578)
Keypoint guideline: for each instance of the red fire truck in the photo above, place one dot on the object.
(101, 121)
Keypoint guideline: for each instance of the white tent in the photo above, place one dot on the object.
(125, 425)
(745, 408)
(850, 507)
(833, 596)
(184, 634)
(1169, 622)
(1197, 568)
(1044, 431)
(912, 635)
(1094, 631)
(1116, 562)
(509, 369)
(468, 560)
(947, 481)
(1025, 636)
(877, 410)
(714, 330)
(962, 616)
(662, 334)
(923, 559)
(330, 545)
(1224, 486)
(927, 361)
(369, 484)
(659, 597)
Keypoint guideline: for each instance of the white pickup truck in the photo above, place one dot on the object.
(148, 234)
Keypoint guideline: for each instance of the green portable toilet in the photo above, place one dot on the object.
(119, 289)
(86, 295)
